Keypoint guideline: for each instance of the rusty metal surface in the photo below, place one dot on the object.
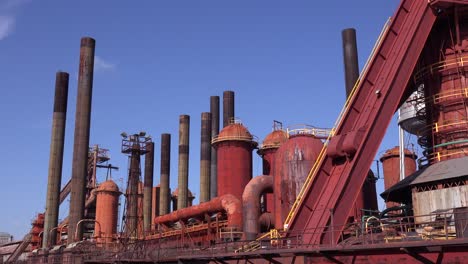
(251, 204)
(228, 107)
(335, 184)
(56, 156)
(81, 137)
(294, 159)
(214, 110)
(205, 157)
(148, 186)
(165, 195)
(107, 205)
(228, 203)
(350, 58)
(391, 168)
(234, 146)
(184, 136)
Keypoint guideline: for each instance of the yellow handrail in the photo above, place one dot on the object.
(322, 154)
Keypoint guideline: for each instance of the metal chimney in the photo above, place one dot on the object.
(56, 158)
(81, 143)
(228, 107)
(148, 186)
(214, 109)
(164, 193)
(184, 128)
(205, 157)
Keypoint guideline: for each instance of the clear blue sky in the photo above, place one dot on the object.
(159, 59)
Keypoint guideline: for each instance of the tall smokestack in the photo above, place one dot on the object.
(56, 157)
(184, 130)
(81, 143)
(164, 193)
(148, 186)
(205, 157)
(228, 107)
(350, 57)
(214, 109)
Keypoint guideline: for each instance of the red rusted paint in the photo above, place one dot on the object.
(251, 204)
(391, 168)
(107, 206)
(294, 160)
(228, 203)
(234, 146)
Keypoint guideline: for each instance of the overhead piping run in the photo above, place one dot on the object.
(227, 203)
(251, 204)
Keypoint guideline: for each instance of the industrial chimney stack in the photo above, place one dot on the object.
(184, 128)
(56, 157)
(81, 143)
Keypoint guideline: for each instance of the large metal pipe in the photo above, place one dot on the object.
(148, 186)
(205, 157)
(81, 143)
(56, 157)
(184, 131)
(227, 203)
(164, 193)
(228, 107)
(350, 57)
(214, 109)
(251, 204)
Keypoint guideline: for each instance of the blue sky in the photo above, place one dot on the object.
(159, 59)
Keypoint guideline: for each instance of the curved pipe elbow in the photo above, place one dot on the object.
(251, 204)
(227, 203)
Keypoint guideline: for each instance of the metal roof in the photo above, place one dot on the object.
(443, 170)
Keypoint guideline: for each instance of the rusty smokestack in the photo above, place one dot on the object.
(164, 192)
(56, 157)
(228, 107)
(133, 220)
(350, 57)
(184, 131)
(81, 140)
(214, 109)
(205, 157)
(148, 186)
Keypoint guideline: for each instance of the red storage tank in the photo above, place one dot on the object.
(391, 168)
(234, 146)
(107, 206)
(294, 160)
(267, 151)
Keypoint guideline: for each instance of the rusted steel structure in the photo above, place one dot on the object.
(175, 198)
(165, 194)
(294, 159)
(56, 156)
(391, 168)
(214, 110)
(267, 150)
(228, 108)
(251, 204)
(81, 141)
(234, 146)
(148, 186)
(205, 157)
(107, 206)
(134, 146)
(184, 130)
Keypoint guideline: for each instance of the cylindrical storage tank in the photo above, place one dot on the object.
(107, 206)
(391, 168)
(234, 146)
(268, 153)
(294, 160)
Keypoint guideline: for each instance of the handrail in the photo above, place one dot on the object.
(322, 154)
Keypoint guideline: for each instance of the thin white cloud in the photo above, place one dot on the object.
(6, 26)
(102, 65)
